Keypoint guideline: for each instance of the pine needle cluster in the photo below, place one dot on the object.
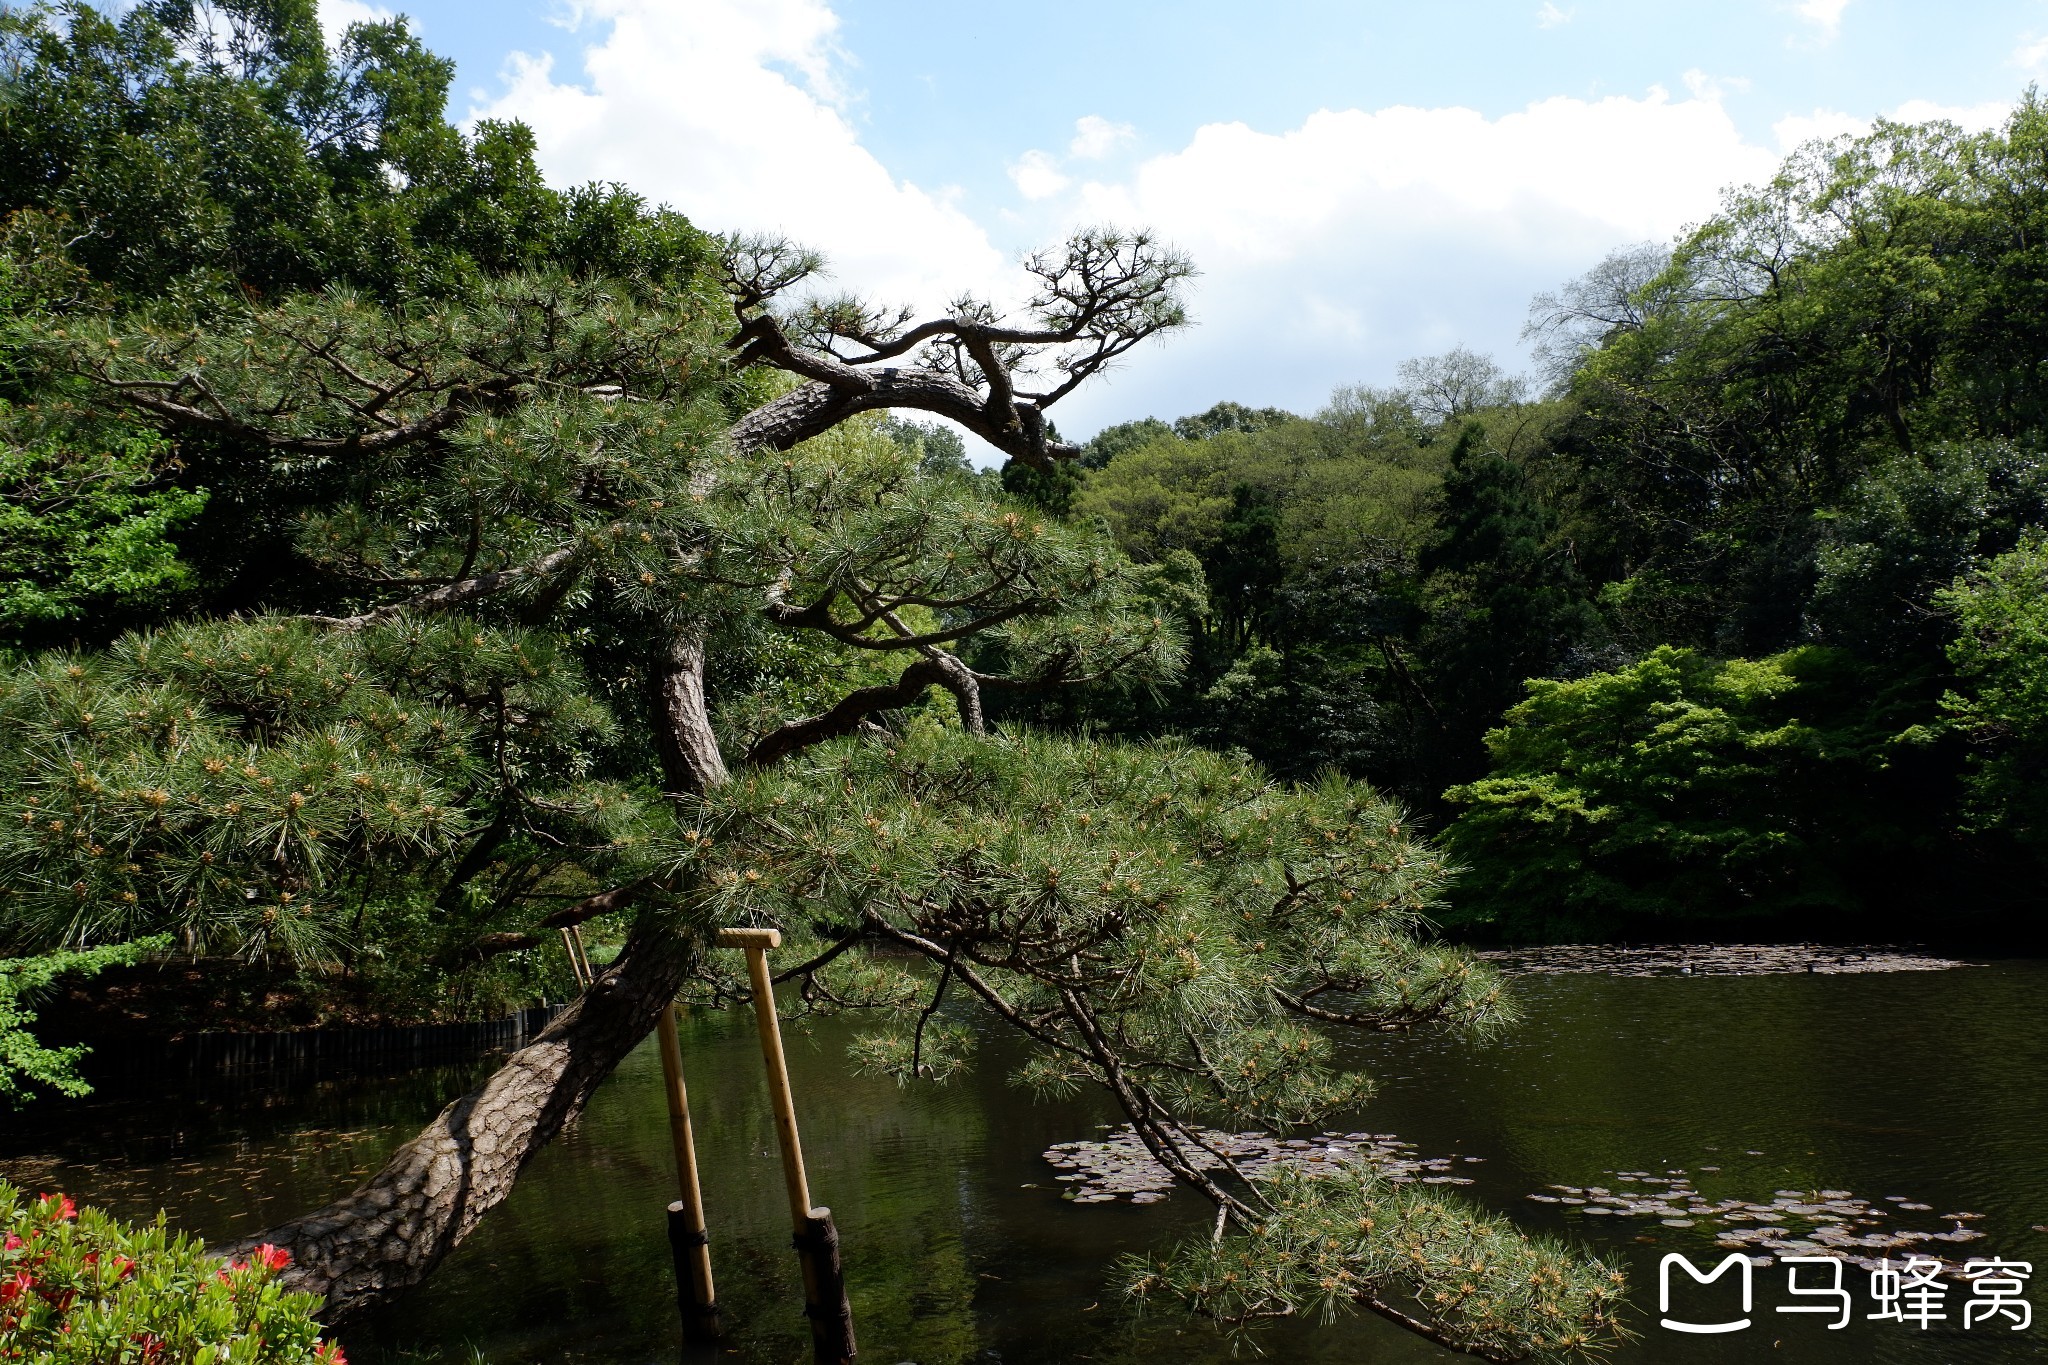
(1337, 1241)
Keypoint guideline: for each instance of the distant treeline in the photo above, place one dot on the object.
(1738, 613)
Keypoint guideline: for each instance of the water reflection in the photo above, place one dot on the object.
(959, 1249)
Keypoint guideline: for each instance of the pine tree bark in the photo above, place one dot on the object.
(686, 744)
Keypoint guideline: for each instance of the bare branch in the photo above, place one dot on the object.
(846, 716)
(1099, 296)
(590, 907)
(453, 594)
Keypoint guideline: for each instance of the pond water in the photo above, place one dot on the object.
(1921, 1087)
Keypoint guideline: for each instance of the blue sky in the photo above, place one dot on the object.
(1360, 182)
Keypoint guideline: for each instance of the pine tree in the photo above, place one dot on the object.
(587, 596)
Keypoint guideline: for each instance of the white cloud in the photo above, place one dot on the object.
(727, 109)
(1971, 118)
(2031, 54)
(1096, 137)
(1331, 250)
(1824, 15)
(1708, 87)
(1037, 175)
(1795, 130)
(1334, 250)
(337, 15)
(1550, 16)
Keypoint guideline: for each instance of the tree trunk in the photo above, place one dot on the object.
(688, 748)
(394, 1230)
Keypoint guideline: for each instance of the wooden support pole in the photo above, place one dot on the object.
(816, 1238)
(688, 1238)
(578, 968)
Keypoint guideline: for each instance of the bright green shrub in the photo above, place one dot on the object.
(24, 1062)
(78, 1286)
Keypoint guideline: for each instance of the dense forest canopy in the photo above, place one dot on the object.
(405, 561)
(1701, 637)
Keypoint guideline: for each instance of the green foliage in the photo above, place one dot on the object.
(2000, 652)
(86, 526)
(1167, 897)
(1676, 789)
(1505, 602)
(1050, 490)
(1356, 476)
(1795, 427)
(939, 449)
(1114, 440)
(363, 786)
(1228, 417)
(25, 1062)
(198, 150)
(528, 451)
(78, 1287)
(1309, 532)
(1343, 1237)
(1907, 529)
(1858, 309)
(246, 785)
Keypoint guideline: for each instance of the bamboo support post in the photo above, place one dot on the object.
(579, 967)
(689, 1240)
(583, 955)
(816, 1238)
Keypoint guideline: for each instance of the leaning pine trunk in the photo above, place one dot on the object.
(392, 1232)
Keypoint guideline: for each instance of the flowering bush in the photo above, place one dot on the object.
(78, 1286)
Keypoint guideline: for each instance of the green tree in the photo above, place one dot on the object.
(1227, 416)
(1909, 528)
(192, 149)
(1504, 599)
(2000, 652)
(86, 524)
(1114, 440)
(1861, 307)
(1680, 791)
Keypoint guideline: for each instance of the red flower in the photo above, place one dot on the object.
(123, 1267)
(66, 1210)
(13, 1242)
(272, 1258)
(16, 1285)
(330, 1354)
